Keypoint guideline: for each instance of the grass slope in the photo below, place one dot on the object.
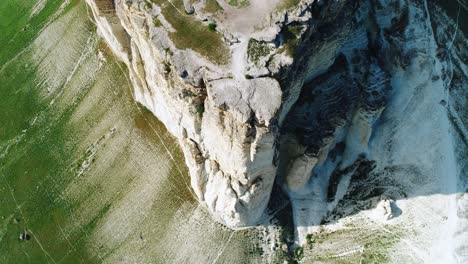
(191, 33)
(18, 27)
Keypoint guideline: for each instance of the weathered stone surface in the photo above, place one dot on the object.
(188, 7)
(226, 126)
(294, 100)
(228, 117)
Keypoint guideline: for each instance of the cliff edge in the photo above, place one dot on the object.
(259, 92)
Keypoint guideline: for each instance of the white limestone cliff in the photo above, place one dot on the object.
(295, 100)
(225, 125)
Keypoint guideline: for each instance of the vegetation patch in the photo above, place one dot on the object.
(18, 28)
(351, 245)
(257, 49)
(212, 26)
(212, 6)
(291, 36)
(157, 22)
(192, 33)
(298, 254)
(200, 109)
(309, 240)
(286, 5)
(239, 3)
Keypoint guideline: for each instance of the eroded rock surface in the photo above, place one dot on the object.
(292, 94)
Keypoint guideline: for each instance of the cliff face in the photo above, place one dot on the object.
(224, 109)
(271, 91)
(226, 124)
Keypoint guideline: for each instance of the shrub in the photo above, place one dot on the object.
(200, 109)
(298, 253)
(309, 240)
(212, 26)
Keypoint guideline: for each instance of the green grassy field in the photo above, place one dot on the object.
(59, 106)
(18, 28)
(42, 189)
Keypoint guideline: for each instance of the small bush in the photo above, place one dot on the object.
(200, 109)
(157, 22)
(309, 240)
(298, 253)
(212, 26)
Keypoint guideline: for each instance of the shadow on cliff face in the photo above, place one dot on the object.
(457, 10)
(414, 160)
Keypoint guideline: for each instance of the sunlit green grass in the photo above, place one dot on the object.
(18, 103)
(37, 159)
(18, 28)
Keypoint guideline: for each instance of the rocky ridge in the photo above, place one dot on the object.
(292, 94)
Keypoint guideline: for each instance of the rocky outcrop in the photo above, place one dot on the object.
(226, 126)
(226, 116)
(265, 92)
